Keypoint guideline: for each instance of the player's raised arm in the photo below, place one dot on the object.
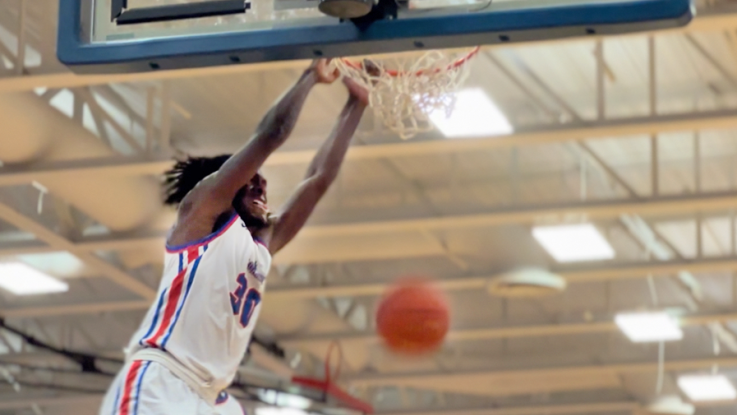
(215, 194)
(321, 173)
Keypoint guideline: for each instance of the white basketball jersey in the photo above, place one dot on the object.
(208, 302)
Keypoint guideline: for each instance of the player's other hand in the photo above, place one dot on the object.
(325, 73)
(356, 90)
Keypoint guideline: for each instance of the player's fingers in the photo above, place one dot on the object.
(371, 67)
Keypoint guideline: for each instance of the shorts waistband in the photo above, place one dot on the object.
(203, 388)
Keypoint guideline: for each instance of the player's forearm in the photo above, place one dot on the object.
(322, 172)
(272, 132)
(326, 163)
(279, 121)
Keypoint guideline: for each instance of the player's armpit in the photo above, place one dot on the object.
(320, 175)
(295, 213)
(215, 194)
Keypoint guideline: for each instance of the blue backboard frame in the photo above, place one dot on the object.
(345, 39)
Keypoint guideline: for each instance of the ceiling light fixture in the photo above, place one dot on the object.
(575, 242)
(474, 115)
(701, 388)
(21, 279)
(649, 327)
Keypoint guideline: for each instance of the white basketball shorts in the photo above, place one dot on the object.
(149, 388)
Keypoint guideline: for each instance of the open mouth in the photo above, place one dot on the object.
(261, 203)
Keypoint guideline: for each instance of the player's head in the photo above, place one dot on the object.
(249, 202)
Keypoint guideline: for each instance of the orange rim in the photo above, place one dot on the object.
(461, 61)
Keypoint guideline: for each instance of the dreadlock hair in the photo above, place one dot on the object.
(185, 175)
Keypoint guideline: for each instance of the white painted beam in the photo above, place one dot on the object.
(155, 165)
(312, 238)
(552, 409)
(503, 332)
(607, 272)
(59, 243)
(425, 380)
(529, 214)
(712, 120)
(77, 308)
(113, 166)
(24, 402)
(576, 408)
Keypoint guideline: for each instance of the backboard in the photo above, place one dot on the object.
(115, 36)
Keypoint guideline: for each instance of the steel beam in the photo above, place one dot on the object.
(316, 243)
(25, 402)
(504, 332)
(77, 308)
(560, 409)
(423, 379)
(527, 215)
(712, 120)
(607, 272)
(96, 109)
(113, 166)
(59, 243)
(137, 165)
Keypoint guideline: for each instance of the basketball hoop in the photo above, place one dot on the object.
(404, 91)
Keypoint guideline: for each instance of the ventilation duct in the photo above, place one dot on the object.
(33, 131)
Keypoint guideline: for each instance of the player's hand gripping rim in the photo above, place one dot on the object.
(324, 72)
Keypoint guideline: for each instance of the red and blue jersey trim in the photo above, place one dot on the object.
(172, 299)
(131, 390)
(192, 276)
(207, 239)
(117, 399)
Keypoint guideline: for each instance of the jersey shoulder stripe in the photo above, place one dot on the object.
(155, 319)
(173, 298)
(207, 239)
(192, 276)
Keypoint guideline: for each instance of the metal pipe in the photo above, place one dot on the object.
(600, 84)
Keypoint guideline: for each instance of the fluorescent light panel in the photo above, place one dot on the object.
(21, 279)
(474, 115)
(288, 400)
(571, 243)
(56, 264)
(707, 387)
(279, 411)
(649, 327)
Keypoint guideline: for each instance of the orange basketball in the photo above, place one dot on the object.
(413, 317)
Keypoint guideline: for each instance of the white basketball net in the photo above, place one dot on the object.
(405, 91)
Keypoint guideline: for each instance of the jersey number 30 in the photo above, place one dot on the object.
(244, 300)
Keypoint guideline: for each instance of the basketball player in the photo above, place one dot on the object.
(218, 253)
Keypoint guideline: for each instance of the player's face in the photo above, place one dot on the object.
(254, 199)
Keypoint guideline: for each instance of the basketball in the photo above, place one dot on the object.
(413, 317)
